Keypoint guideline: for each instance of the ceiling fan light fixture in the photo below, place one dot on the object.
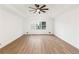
(38, 10)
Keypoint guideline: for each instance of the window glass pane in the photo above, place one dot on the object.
(44, 25)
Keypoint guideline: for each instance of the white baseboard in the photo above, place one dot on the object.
(59, 36)
(10, 41)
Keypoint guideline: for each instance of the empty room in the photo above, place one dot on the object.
(39, 29)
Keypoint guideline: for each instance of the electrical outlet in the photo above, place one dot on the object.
(49, 32)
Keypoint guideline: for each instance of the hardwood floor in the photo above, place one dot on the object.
(44, 44)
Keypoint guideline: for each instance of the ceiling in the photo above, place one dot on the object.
(54, 9)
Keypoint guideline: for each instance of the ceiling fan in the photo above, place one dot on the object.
(38, 8)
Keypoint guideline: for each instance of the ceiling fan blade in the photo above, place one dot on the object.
(36, 5)
(32, 8)
(45, 9)
(35, 11)
(42, 6)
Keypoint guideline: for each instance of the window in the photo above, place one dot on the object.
(39, 26)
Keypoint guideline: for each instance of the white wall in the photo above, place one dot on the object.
(67, 26)
(36, 19)
(10, 26)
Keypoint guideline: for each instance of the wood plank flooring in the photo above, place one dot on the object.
(39, 44)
